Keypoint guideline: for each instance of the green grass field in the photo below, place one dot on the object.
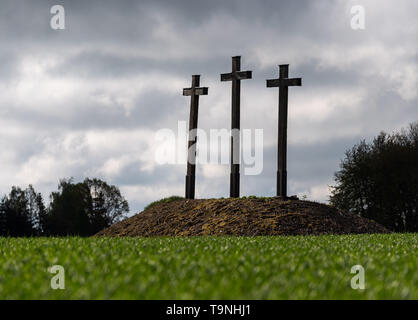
(211, 267)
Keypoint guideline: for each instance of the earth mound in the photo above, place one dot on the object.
(241, 217)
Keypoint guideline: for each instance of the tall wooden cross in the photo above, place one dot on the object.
(235, 76)
(283, 82)
(194, 92)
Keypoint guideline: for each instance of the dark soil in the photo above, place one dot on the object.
(241, 217)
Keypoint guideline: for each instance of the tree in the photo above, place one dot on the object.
(84, 208)
(68, 213)
(379, 180)
(108, 205)
(20, 212)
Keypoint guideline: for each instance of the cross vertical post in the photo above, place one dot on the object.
(235, 76)
(283, 82)
(194, 92)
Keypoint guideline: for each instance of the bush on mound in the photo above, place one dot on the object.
(241, 217)
(164, 200)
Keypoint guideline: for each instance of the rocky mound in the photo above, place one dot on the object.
(241, 217)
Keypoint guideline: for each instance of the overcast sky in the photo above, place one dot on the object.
(88, 100)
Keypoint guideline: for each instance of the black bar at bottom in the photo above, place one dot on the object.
(211, 309)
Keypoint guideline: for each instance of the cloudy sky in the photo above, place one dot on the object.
(88, 100)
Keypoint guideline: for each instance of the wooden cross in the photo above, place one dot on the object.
(283, 82)
(194, 92)
(235, 76)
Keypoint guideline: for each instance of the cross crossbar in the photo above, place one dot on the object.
(202, 91)
(237, 75)
(284, 82)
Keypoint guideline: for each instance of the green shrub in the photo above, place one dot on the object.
(164, 200)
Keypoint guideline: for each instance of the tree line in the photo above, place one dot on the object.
(81, 209)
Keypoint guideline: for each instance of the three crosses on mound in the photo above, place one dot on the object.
(283, 83)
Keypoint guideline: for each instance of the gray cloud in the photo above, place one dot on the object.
(88, 100)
